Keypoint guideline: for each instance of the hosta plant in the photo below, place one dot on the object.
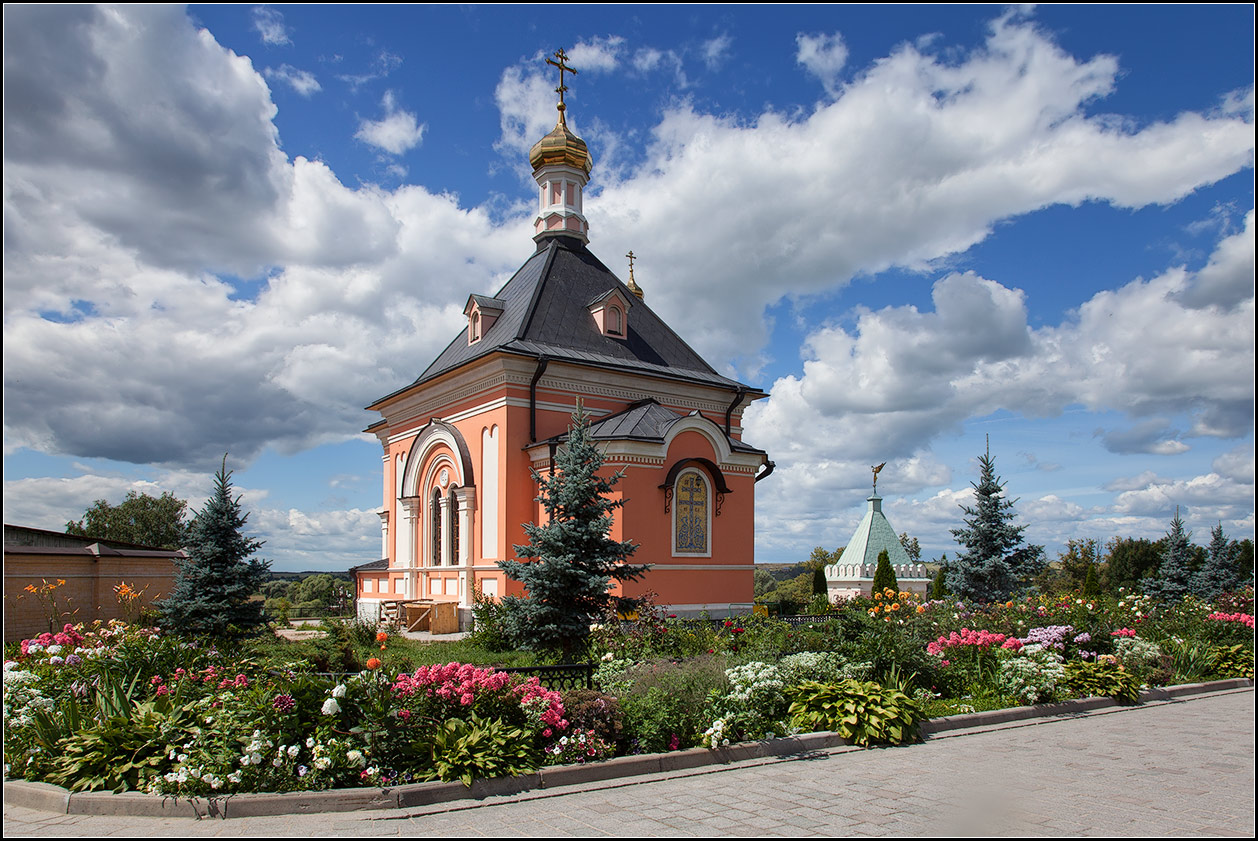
(1100, 678)
(473, 748)
(862, 711)
(1233, 661)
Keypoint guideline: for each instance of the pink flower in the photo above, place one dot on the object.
(241, 681)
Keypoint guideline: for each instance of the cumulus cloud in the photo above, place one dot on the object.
(596, 54)
(396, 133)
(918, 159)
(269, 24)
(1152, 436)
(823, 56)
(302, 81)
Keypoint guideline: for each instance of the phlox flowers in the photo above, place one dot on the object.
(1242, 618)
(982, 640)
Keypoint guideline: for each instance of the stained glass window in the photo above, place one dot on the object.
(454, 527)
(690, 512)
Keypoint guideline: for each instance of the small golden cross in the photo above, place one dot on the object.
(630, 256)
(563, 57)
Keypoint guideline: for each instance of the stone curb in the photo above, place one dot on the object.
(50, 798)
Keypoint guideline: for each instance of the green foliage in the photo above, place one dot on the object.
(1174, 576)
(1070, 572)
(884, 575)
(764, 582)
(1099, 679)
(665, 702)
(994, 563)
(863, 712)
(139, 519)
(911, 546)
(819, 587)
(1219, 573)
(489, 626)
(573, 556)
(215, 583)
(1127, 561)
(939, 586)
(123, 743)
(1233, 661)
(1192, 660)
(1091, 583)
(472, 748)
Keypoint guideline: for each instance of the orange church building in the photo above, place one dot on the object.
(460, 442)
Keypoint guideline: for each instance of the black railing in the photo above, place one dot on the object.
(556, 678)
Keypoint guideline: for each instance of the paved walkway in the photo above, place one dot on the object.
(1183, 767)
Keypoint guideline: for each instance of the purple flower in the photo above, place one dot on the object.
(73, 660)
(284, 703)
(1082, 638)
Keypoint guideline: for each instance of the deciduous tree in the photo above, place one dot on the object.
(139, 518)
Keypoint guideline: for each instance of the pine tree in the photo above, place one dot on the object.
(1173, 579)
(819, 585)
(573, 558)
(1218, 574)
(884, 575)
(215, 583)
(994, 563)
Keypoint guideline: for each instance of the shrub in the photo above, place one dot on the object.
(665, 703)
(1032, 675)
(1233, 661)
(863, 712)
(465, 749)
(1101, 678)
(595, 712)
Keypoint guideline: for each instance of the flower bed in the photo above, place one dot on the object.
(120, 707)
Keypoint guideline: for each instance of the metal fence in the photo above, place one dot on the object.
(557, 678)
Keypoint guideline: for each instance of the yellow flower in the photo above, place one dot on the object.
(921, 608)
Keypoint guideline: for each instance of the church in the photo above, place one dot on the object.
(461, 443)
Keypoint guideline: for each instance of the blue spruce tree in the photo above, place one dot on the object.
(1174, 577)
(1219, 574)
(572, 559)
(215, 583)
(993, 564)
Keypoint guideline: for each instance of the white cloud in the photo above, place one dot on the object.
(823, 56)
(269, 24)
(396, 133)
(917, 160)
(302, 81)
(597, 54)
(716, 50)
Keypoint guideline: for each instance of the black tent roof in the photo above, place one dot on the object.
(545, 313)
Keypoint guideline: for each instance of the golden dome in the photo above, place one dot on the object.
(561, 146)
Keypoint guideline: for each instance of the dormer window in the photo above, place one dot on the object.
(481, 311)
(610, 311)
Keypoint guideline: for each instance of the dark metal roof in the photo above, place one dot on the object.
(645, 420)
(545, 313)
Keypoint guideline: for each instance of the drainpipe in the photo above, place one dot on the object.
(729, 413)
(542, 362)
(768, 468)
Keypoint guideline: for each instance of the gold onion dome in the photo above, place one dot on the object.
(561, 146)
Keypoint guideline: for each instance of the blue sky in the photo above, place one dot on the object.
(229, 228)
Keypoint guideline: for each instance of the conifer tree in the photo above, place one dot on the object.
(215, 583)
(994, 563)
(572, 559)
(1219, 573)
(939, 586)
(819, 585)
(884, 575)
(1174, 577)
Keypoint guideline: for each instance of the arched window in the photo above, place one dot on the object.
(454, 526)
(436, 526)
(691, 514)
(475, 326)
(614, 321)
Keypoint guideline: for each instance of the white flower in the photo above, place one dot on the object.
(54, 649)
(339, 692)
(331, 707)
(356, 757)
(310, 741)
(293, 751)
(609, 656)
